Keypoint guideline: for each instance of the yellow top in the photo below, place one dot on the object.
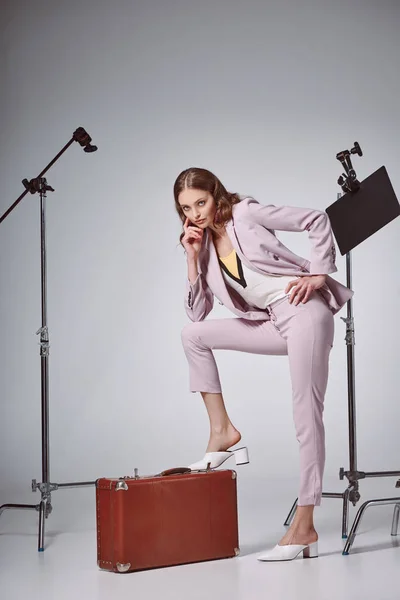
(231, 263)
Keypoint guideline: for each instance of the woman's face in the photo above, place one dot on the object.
(198, 206)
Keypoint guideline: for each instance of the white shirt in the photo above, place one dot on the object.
(258, 289)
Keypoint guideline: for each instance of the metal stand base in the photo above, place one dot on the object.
(44, 508)
(360, 514)
(353, 532)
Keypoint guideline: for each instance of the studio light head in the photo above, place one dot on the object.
(83, 138)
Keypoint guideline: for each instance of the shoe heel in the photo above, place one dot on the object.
(241, 456)
(311, 551)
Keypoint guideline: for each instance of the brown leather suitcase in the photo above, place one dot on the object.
(176, 517)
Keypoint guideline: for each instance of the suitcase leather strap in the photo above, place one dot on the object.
(176, 471)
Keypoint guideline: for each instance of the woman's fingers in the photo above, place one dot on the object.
(194, 232)
(309, 291)
(290, 285)
(295, 284)
(302, 293)
(192, 235)
(302, 290)
(297, 293)
(188, 227)
(301, 296)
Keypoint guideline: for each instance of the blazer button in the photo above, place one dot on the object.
(276, 257)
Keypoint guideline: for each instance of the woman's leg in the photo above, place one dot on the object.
(309, 330)
(305, 332)
(223, 434)
(199, 339)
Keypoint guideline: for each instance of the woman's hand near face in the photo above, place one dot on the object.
(192, 239)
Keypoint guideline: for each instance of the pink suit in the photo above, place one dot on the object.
(304, 332)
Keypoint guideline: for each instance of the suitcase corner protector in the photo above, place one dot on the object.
(123, 568)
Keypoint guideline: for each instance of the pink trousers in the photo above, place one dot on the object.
(305, 333)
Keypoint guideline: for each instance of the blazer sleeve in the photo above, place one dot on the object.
(199, 299)
(291, 218)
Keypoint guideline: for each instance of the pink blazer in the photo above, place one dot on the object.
(252, 233)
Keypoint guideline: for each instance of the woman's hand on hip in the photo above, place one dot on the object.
(303, 287)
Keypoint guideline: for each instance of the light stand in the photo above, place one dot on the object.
(365, 208)
(39, 184)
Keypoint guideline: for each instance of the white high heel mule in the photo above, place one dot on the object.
(215, 459)
(290, 551)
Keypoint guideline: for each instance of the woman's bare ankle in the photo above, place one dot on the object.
(222, 438)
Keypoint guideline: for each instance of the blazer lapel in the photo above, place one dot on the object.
(213, 274)
(216, 282)
(231, 231)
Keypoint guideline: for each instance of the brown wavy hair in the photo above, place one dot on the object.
(204, 180)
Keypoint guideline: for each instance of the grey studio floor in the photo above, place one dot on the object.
(68, 569)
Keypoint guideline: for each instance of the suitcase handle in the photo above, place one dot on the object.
(176, 471)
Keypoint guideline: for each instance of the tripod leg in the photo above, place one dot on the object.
(42, 516)
(290, 516)
(395, 522)
(4, 507)
(345, 519)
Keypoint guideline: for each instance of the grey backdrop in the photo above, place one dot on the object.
(264, 94)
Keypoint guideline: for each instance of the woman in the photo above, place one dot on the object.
(284, 305)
